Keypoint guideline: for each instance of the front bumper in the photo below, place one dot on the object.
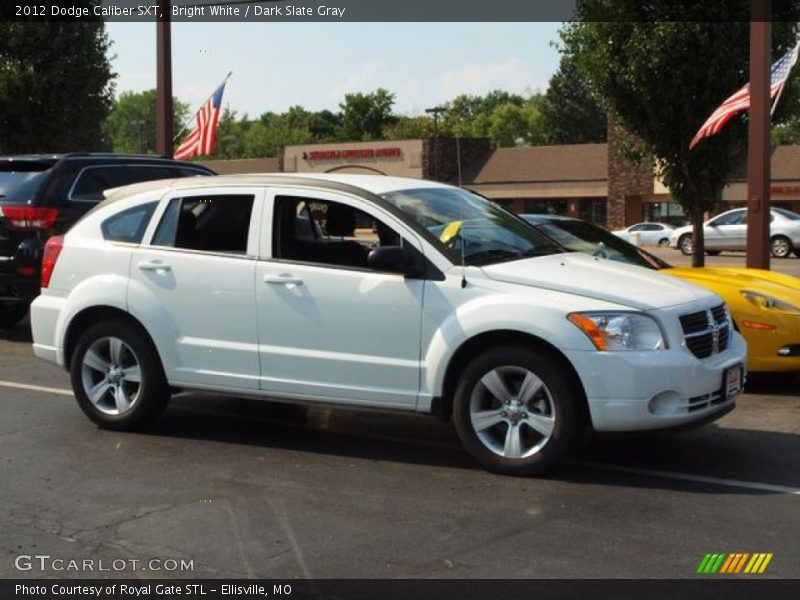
(624, 389)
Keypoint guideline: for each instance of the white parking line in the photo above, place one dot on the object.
(36, 388)
(737, 483)
(750, 485)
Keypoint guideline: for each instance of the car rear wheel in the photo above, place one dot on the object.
(685, 244)
(12, 313)
(780, 246)
(515, 411)
(663, 242)
(117, 377)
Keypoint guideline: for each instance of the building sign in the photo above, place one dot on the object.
(352, 154)
(785, 189)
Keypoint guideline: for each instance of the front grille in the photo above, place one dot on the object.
(694, 322)
(706, 332)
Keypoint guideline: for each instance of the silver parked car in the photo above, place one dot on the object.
(728, 231)
(643, 234)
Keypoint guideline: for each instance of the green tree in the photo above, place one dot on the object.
(410, 128)
(364, 116)
(230, 135)
(512, 124)
(131, 124)
(55, 85)
(470, 116)
(571, 114)
(786, 130)
(662, 79)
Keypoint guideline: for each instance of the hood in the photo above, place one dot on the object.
(608, 280)
(778, 285)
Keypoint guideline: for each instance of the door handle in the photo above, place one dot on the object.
(154, 266)
(283, 279)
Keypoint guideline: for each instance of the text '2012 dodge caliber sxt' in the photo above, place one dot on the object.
(366, 291)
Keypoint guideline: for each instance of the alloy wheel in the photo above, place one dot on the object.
(512, 412)
(111, 376)
(780, 247)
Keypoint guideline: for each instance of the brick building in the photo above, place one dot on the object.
(590, 181)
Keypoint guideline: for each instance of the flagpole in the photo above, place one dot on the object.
(783, 87)
(189, 122)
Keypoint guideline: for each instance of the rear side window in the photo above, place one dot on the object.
(20, 180)
(213, 223)
(128, 225)
(93, 181)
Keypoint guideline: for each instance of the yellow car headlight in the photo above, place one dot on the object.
(767, 302)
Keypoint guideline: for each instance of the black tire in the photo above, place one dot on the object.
(685, 244)
(713, 252)
(147, 399)
(663, 242)
(557, 402)
(12, 313)
(780, 246)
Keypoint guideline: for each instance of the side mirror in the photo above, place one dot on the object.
(394, 259)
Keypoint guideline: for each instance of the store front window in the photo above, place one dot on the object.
(545, 207)
(593, 210)
(664, 212)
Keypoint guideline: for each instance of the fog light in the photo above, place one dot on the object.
(665, 403)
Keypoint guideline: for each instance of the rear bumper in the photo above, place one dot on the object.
(16, 287)
(47, 344)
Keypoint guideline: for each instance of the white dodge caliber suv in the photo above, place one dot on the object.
(366, 291)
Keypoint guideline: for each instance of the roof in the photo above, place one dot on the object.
(786, 162)
(243, 165)
(571, 162)
(375, 184)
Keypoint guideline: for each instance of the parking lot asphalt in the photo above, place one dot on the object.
(790, 266)
(247, 488)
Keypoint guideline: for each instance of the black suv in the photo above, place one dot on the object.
(43, 195)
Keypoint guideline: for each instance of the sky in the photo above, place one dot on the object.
(278, 65)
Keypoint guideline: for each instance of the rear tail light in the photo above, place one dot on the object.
(51, 251)
(29, 217)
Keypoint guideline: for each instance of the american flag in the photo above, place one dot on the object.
(741, 99)
(200, 142)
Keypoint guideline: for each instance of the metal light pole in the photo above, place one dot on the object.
(758, 146)
(164, 81)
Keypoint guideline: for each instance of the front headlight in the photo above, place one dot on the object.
(615, 331)
(767, 302)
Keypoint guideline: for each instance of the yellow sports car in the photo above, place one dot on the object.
(765, 306)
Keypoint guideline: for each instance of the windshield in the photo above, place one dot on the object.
(464, 222)
(591, 239)
(19, 180)
(787, 213)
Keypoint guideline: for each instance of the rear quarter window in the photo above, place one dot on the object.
(93, 181)
(128, 225)
(20, 181)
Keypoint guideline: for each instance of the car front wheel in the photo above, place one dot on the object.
(515, 411)
(117, 377)
(780, 246)
(685, 244)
